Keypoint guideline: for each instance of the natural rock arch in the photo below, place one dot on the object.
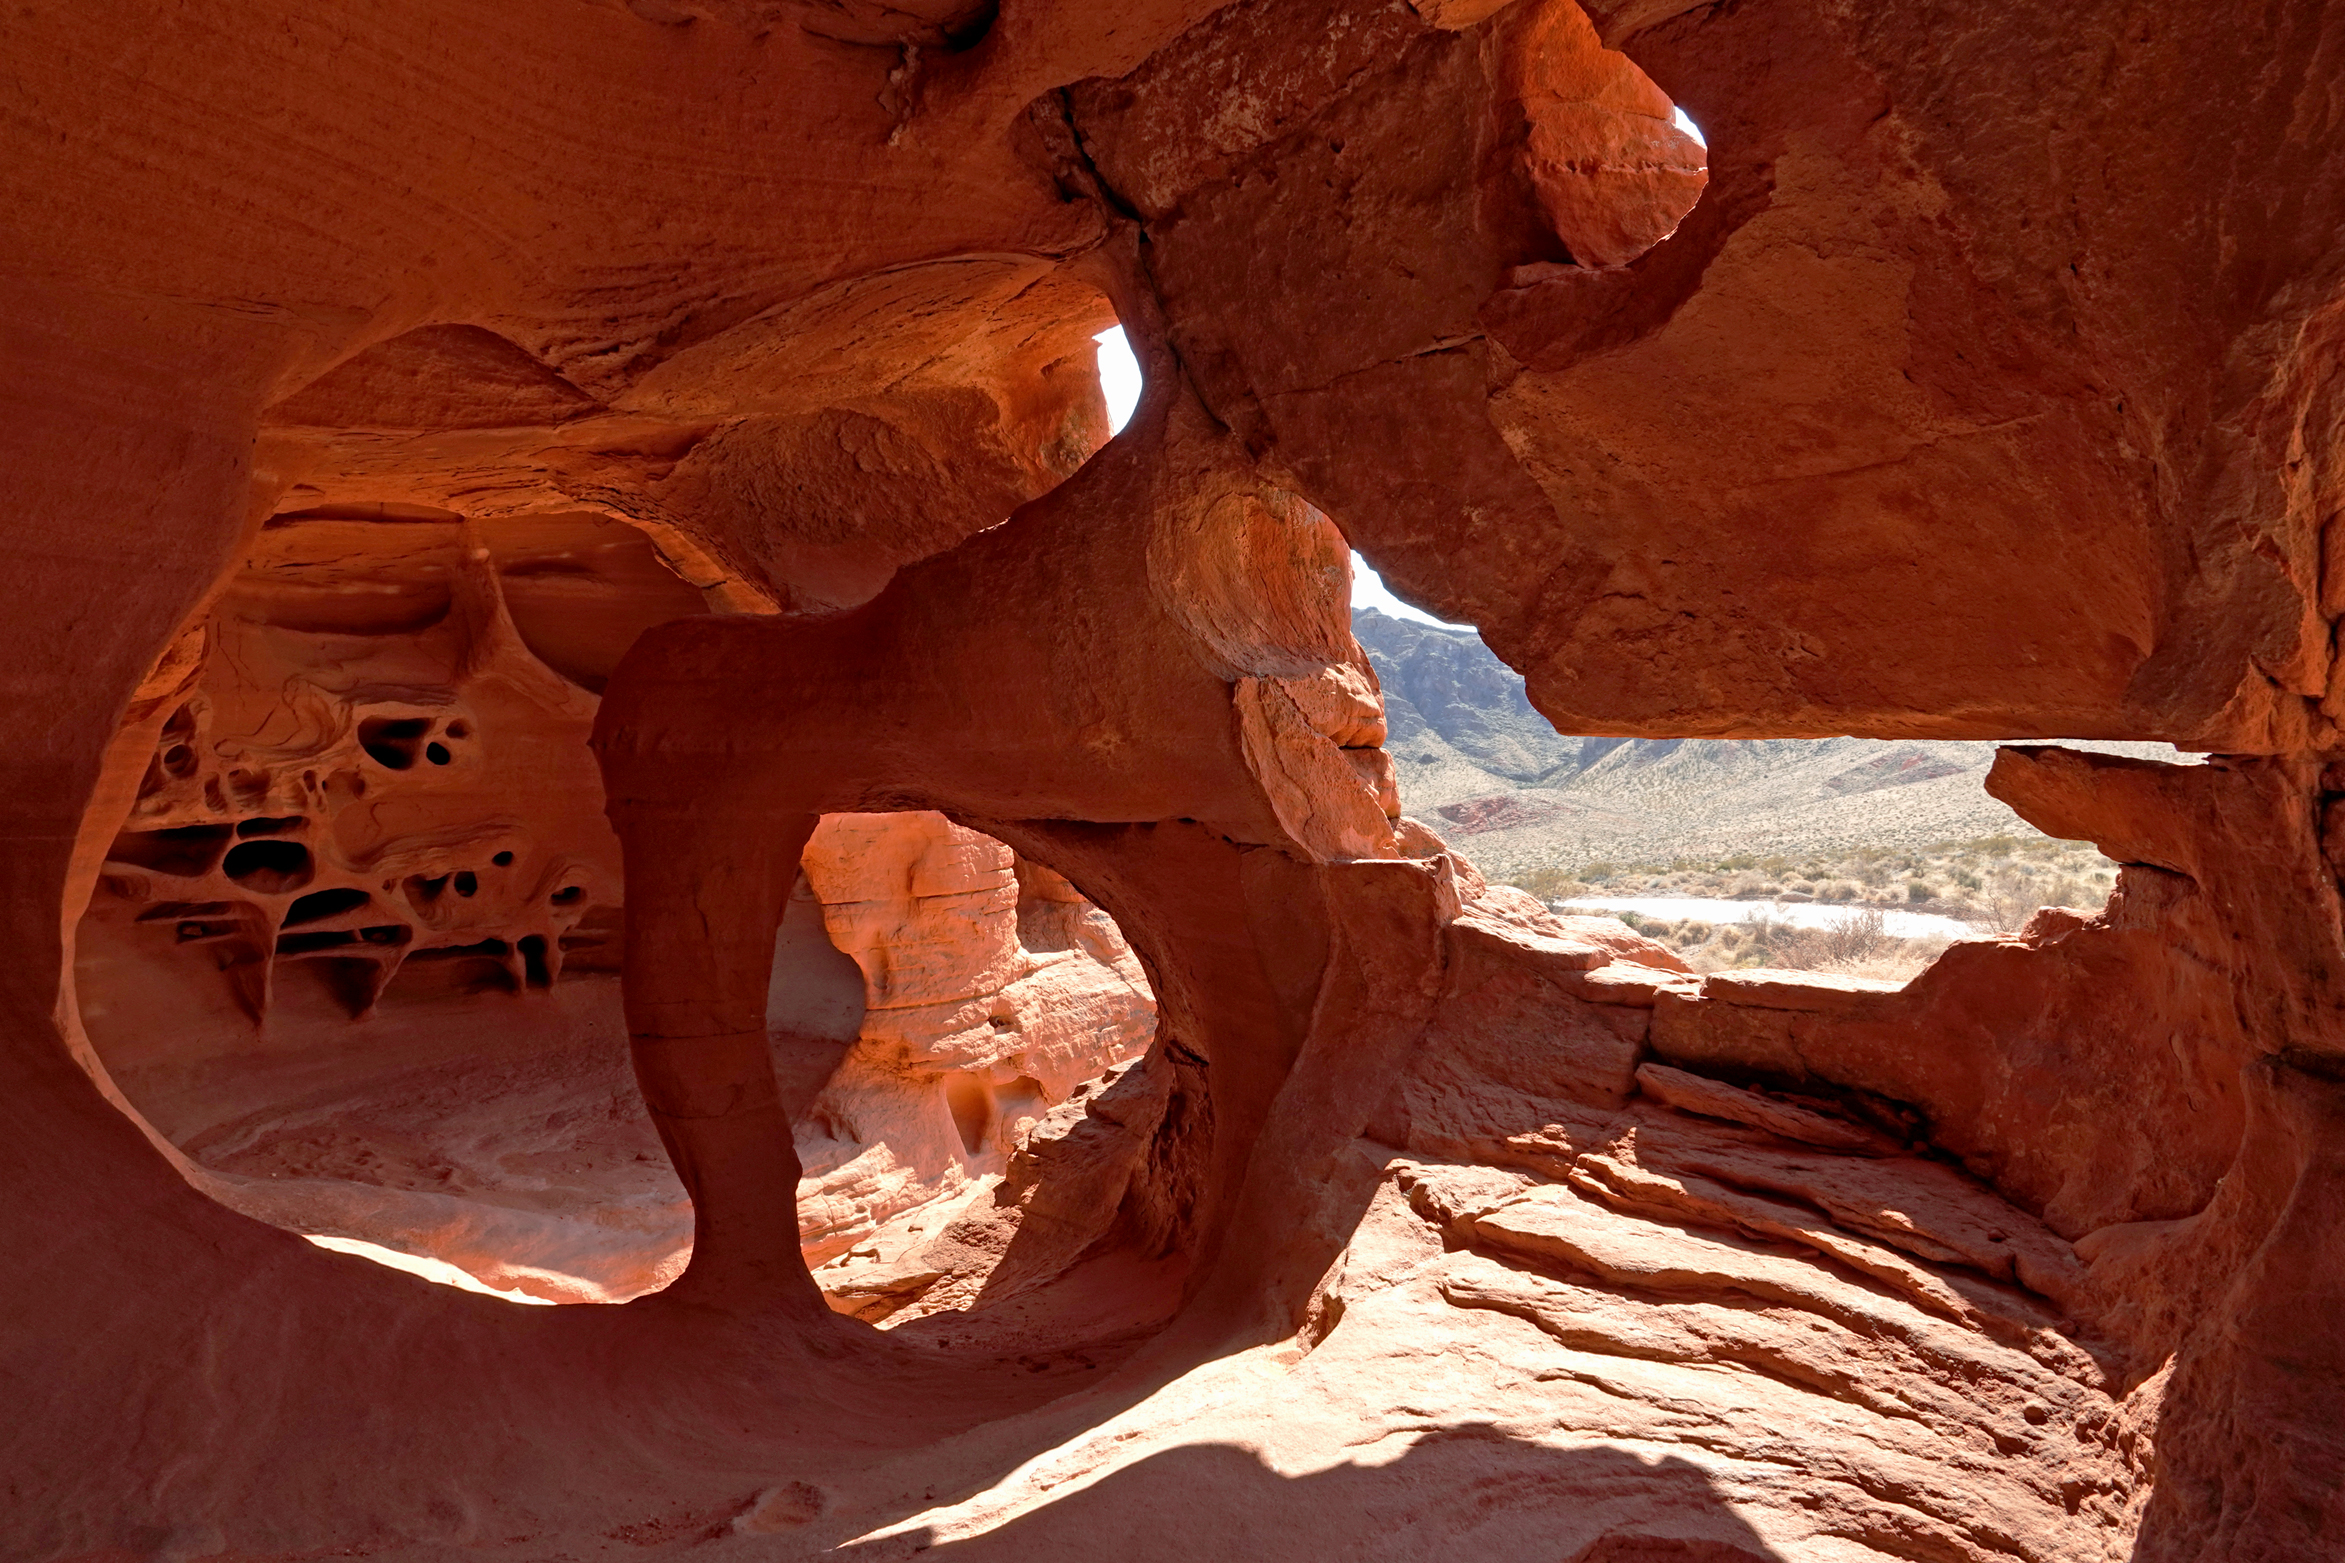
(2010, 335)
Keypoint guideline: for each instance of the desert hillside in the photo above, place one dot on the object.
(1490, 774)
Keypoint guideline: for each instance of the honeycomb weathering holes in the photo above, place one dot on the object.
(2023, 460)
(325, 863)
(268, 867)
(364, 899)
(323, 904)
(395, 743)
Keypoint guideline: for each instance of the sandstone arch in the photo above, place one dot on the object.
(2011, 336)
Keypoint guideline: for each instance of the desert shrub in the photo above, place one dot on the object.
(2070, 892)
(1549, 884)
(1964, 877)
(1774, 943)
(1863, 940)
(1681, 936)
(2007, 903)
(1902, 961)
(1855, 939)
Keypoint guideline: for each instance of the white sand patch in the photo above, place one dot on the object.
(1678, 908)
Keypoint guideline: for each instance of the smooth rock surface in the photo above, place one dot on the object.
(713, 380)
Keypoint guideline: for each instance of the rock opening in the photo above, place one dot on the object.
(306, 1045)
(700, 772)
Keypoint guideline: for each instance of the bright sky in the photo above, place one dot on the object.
(1119, 378)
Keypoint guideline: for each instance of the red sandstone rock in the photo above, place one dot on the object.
(368, 824)
(968, 1038)
(1982, 382)
(1712, 1099)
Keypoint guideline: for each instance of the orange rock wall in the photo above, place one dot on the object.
(970, 1035)
(1977, 378)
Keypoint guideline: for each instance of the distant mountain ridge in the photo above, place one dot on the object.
(1448, 684)
(1486, 770)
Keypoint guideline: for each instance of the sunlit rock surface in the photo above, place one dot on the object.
(716, 380)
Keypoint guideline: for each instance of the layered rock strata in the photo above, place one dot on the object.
(1595, 1306)
(1977, 379)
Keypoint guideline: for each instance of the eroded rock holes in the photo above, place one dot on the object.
(357, 953)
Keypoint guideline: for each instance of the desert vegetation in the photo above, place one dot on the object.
(1860, 947)
(1993, 882)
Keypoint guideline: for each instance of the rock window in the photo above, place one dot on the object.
(355, 950)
